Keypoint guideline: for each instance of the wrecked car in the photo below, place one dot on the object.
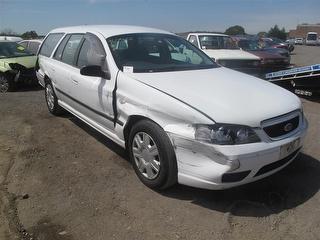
(182, 117)
(17, 65)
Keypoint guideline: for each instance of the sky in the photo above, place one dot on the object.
(172, 15)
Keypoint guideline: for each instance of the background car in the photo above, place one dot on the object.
(16, 65)
(270, 61)
(10, 38)
(277, 43)
(223, 49)
(31, 45)
(298, 41)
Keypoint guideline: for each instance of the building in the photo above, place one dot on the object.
(302, 30)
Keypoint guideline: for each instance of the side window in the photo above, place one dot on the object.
(50, 43)
(92, 52)
(69, 52)
(193, 39)
(24, 44)
(58, 53)
(33, 47)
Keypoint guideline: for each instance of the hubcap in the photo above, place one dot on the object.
(4, 85)
(146, 155)
(50, 97)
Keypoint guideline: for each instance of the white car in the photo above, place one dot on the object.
(182, 117)
(31, 45)
(222, 49)
(10, 38)
(298, 41)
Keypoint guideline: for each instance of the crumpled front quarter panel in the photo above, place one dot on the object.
(137, 98)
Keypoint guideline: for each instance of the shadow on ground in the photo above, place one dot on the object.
(287, 189)
(27, 88)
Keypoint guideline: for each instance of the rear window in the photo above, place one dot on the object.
(50, 43)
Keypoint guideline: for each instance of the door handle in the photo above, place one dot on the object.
(75, 81)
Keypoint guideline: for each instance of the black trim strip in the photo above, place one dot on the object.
(277, 164)
(178, 100)
(91, 109)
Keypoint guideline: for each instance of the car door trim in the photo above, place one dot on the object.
(110, 118)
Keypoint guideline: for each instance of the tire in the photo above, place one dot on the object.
(52, 100)
(156, 171)
(6, 85)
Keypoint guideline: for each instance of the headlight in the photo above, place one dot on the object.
(225, 134)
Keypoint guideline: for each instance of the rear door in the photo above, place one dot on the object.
(64, 64)
(46, 67)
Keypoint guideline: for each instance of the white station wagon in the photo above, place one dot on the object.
(181, 117)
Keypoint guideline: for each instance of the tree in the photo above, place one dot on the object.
(8, 32)
(29, 35)
(235, 30)
(277, 33)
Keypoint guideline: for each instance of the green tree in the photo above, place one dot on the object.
(29, 35)
(235, 30)
(276, 32)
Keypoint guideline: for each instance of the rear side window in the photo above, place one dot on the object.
(33, 47)
(69, 52)
(24, 44)
(50, 43)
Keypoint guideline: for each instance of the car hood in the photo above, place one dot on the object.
(28, 61)
(225, 95)
(264, 54)
(228, 54)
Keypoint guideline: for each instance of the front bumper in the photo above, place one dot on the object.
(220, 167)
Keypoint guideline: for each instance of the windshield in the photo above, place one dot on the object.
(144, 52)
(312, 37)
(217, 42)
(12, 49)
(250, 45)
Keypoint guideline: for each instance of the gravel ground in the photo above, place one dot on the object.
(305, 55)
(59, 179)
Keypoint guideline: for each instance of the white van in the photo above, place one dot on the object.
(182, 117)
(312, 39)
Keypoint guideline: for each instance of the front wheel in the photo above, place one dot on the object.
(52, 100)
(5, 84)
(152, 155)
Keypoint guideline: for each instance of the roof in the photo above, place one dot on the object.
(209, 34)
(109, 30)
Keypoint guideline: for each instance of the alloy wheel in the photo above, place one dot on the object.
(146, 155)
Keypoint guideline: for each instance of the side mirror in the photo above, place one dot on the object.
(95, 71)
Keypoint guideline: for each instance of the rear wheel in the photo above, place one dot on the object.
(52, 101)
(152, 155)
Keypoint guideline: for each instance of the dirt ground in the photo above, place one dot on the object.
(61, 180)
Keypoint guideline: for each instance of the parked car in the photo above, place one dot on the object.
(31, 45)
(182, 117)
(270, 61)
(222, 49)
(10, 38)
(290, 41)
(312, 39)
(298, 41)
(277, 43)
(16, 65)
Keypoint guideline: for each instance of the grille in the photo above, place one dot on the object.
(239, 63)
(283, 128)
